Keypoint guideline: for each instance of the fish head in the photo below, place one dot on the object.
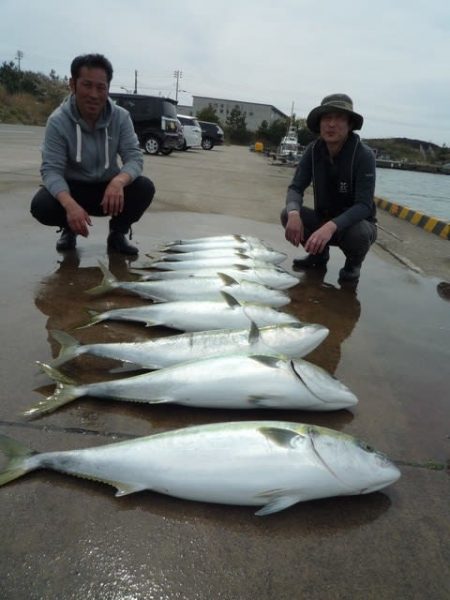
(329, 390)
(306, 336)
(357, 466)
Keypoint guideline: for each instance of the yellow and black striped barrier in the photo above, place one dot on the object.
(431, 224)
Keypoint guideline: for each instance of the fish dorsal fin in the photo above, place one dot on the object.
(227, 279)
(243, 255)
(281, 437)
(241, 267)
(279, 502)
(267, 360)
(230, 300)
(239, 237)
(254, 333)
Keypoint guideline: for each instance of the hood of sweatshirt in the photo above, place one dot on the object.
(70, 109)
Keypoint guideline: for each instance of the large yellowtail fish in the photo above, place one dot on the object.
(271, 464)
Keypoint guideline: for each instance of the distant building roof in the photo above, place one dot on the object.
(274, 108)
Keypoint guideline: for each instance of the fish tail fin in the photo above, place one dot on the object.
(96, 317)
(70, 347)
(64, 393)
(17, 455)
(109, 282)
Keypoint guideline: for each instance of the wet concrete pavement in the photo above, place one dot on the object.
(71, 538)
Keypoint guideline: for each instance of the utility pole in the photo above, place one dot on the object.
(135, 82)
(19, 57)
(178, 75)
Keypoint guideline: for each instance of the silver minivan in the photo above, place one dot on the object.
(192, 133)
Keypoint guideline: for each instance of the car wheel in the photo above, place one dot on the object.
(166, 151)
(181, 145)
(207, 144)
(151, 145)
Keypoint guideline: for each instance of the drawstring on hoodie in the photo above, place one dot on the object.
(106, 149)
(78, 143)
(78, 158)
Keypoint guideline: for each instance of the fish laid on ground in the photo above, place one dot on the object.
(293, 340)
(273, 464)
(206, 263)
(259, 254)
(227, 382)
(218, 239)
(198, 315)
(239, 246)
(270, 276)
(193, 288)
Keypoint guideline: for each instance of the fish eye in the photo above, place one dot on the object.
(366, 447)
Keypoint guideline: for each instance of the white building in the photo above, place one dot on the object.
(255, 112)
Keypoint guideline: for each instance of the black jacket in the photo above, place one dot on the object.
(343, 187)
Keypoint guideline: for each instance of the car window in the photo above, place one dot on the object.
(169, 109)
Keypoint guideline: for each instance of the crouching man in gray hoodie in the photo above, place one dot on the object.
(80, 171)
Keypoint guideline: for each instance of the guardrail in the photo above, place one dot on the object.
(431, 224)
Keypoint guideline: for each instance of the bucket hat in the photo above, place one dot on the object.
(333, 103)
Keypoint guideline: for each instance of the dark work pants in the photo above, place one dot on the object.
(354, 241)
(138, 196)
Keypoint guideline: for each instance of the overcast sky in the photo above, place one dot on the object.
(391, 56)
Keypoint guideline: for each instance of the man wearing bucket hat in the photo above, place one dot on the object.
(342, 171)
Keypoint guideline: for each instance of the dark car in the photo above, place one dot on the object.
(212, 135)
(154, 119)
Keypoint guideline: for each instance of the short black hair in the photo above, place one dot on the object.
(92, 61)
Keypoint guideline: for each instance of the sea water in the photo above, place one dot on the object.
(428, 193)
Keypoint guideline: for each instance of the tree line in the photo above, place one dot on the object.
(236, 131)
(29, 97)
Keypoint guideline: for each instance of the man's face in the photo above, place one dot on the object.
(91, 92)
(335, 127)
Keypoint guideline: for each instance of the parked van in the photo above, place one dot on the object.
(192, 133)
(154, 119)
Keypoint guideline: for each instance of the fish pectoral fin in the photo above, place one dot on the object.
(279, 500)
(230, 300)
(269, 360)
(285, 438)
(254, 333)
(161, 400)
(227, 279)
(264, 401)
(123, 489)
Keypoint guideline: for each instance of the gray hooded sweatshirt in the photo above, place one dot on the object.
(73, 151)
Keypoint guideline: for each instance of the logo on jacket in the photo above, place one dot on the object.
(343, 187)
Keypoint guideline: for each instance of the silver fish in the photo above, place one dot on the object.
(193, 288)
(206, 263)
(228, 382)
(259, 254)
(271, 276)
(272, 464)
(293, 340)
(198, 316)
(218, 239)
(214, 245)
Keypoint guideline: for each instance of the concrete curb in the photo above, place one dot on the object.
(431, 224)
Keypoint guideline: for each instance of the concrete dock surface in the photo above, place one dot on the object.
(69, 538)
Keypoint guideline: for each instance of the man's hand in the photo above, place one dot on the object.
(294, 228)
(78, 219)
(318, 240)
(112, 202)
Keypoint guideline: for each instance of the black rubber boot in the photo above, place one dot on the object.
(117, 242)
(312, 261)
(351, 271)
(67, 240)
